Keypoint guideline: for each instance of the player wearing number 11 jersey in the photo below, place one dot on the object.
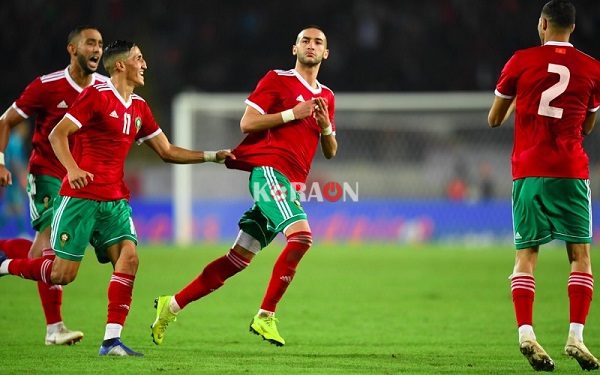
(92, 207)
(555, 90)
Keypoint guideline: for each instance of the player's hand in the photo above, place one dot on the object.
(5, 176)
(78, 178)
(223, 155)
(304, 109)
(321, 113)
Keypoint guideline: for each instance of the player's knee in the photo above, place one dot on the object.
(60, 277)
(129, 261)
(303, 238)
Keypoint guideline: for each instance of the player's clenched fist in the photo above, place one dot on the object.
(78, 178)
(5, 176)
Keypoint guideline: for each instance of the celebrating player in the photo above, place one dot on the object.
(286, 115)
(556, 89)
(92, 206)
(48, 98)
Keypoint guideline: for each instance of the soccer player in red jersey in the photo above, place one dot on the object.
(555, 89)
(48, 98)
(92, 205)
(286, 116)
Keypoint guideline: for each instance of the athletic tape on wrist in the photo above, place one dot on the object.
(327, 131)
(288, 115)
(210, 156)
(2, 158)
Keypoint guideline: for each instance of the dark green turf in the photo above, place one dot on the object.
(382, 309)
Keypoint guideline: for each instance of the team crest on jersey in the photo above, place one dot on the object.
(64, 237)
(138, 123)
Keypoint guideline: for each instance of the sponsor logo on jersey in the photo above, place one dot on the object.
(114, 114)
(62, 104)
(300, 98)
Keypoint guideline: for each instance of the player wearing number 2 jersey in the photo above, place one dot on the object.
(555, 90)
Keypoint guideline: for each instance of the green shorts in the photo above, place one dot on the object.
(78, 222)
(41, 190)
(545, 209)
(276, 205)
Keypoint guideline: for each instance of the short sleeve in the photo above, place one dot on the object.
(265, 95)
(85, 106)
(507, 83)
(146, 125)
(30, 101)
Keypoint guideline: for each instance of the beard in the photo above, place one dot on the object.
(82, 61)
(310, 63)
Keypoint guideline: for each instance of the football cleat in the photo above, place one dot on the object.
(63, 336)
(536, 355)
(577, 349)
(115, 347)
(164, 316)
(266, 327)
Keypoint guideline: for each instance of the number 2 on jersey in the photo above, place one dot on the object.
(554, 91)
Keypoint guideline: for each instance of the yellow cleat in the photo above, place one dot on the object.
(266, 326)
(164, 316)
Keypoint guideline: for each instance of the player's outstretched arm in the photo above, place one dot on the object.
(170, 153)
(9, 120)
(500, 111)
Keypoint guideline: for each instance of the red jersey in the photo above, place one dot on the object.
(289, 148)
(48, 98)
(108, 127)
(555, 86)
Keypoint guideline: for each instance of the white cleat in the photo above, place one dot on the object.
(64, 336)
(577, 349)
(536, 355)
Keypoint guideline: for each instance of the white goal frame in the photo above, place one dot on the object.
(186, 104)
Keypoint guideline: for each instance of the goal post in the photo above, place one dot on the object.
(365, 113)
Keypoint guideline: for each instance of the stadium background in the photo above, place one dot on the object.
(418, 178)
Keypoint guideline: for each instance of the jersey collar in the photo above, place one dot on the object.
(555, 43)
(303, 81)
(73, 83)
(126, 104)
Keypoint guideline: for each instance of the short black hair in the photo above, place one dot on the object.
(113, 50)
(311, 27)
(76, 31)
(560, 13)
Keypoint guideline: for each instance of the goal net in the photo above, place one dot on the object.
(414, 166)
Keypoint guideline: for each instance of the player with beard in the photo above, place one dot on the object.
(48, 98)
(286, 116)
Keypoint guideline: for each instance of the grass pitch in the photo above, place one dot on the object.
(385, 309)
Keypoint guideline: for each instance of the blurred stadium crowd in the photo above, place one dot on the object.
(377, 45)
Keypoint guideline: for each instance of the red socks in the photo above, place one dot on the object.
(50, 295)
(581, 289)
(38, 269)
(212, 277)
(523, 292)
(120, 290)
(16, 248)
(285, 268)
